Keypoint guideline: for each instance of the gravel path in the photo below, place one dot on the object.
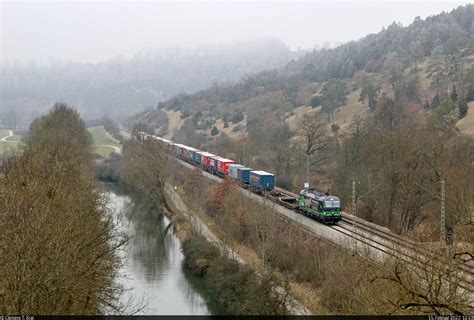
(4, 139)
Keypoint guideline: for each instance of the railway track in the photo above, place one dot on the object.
(365, 235)
(389, 243)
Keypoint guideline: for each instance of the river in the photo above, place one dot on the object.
(157, 281)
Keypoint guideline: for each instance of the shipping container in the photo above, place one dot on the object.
(188, 153)
(243, 175)
(223, 166)
(192, 154)
(198, 157)
(213, 163)
(206, 161)
(233, 170)
(185, 153)
(201, 157)
(179, 150)
(262, 181)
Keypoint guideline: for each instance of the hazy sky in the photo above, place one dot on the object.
(96, 31)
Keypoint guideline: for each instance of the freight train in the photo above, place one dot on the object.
(312, 203)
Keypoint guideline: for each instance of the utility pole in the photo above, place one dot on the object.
(354, 210)
(306, 185)
(443, 213)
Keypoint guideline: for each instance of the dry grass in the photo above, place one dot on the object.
(305, 294)
(174, 122)
(229, 130)
(293, 120)
(466, 124)
(8, 148)
(425, 82)
(309, 297)
(4, 133)
(343, 117)
(353, 107)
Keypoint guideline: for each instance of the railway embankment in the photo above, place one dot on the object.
(265, 241)
(326, 279)
(322, 275)
(209, 255)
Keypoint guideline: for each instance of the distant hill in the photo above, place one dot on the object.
(119, 88)
(412, 64)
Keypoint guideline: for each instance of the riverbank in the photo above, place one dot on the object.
(283, 303)
(154, 274)
(267, 242)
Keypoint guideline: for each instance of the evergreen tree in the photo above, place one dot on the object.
(426, 105)
(316, 101)
(370, 91)
(463, 108)
(333, 95)
(436, 101)
(454, 94)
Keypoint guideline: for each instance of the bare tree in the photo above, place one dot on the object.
(144, 164)
(56, 232)
(431, 285)
(314, 132)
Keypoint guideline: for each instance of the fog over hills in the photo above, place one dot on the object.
(120, 87)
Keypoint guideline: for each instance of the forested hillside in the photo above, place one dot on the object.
(121, 87)
(383, 110)
(412, 64)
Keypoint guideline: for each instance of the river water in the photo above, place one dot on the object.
(157, 280)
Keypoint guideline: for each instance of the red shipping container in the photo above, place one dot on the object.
(206, 160)
(223, 166)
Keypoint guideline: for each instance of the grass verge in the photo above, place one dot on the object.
(101, 137)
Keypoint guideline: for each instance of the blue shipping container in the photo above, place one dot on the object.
(197, 157)
(243, 175)
(191, 154)
(261, 180)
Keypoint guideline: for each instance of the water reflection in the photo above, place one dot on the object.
(154, 269)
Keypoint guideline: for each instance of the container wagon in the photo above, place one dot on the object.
(206, 160)
(179, 151)
(213, 164)
(223, 166)
(188, 153)
(233, 170)
(243, 175)
(192, 155)
(261, 181)
(198, 157)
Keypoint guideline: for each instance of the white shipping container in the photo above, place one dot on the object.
(233, 170)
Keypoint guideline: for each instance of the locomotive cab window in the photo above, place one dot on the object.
(332, 204)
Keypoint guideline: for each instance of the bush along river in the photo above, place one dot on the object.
(154, 273)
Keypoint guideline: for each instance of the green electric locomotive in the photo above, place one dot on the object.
(320, 206)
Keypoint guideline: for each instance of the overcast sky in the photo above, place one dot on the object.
(97, 31)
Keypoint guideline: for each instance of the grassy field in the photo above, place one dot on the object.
(100, 136)
(7, 148)
(104, 152)
(101, 141)
(3, 133)
(466, 124)
(15, 138)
